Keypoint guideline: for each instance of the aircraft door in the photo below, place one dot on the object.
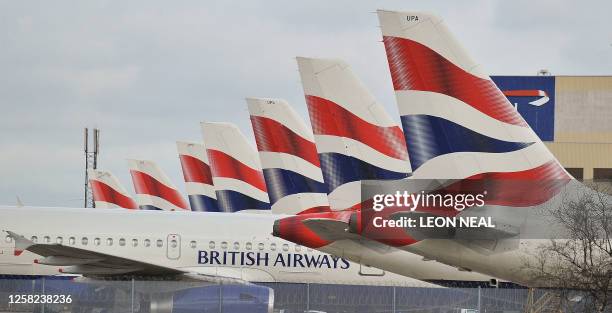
(173, 246)
(366, 270)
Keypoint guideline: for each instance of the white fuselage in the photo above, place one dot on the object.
(230, 245)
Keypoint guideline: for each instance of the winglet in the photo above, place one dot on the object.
(21, 243)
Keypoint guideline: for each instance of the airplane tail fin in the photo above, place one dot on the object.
(289, 158)
(355, 138)
(235, 167)
(108, 192)
(457, 123)
(197, 176)
(154, 190)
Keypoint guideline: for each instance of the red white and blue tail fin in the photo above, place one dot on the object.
(355, 137)
(235, 168)
(108, 191)
(289, 158)
(457, 123)
(154, 190)
(198, 179)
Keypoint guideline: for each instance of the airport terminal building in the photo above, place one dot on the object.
(571, 114)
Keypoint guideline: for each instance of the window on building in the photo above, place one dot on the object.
(604, 174)
(577, 172)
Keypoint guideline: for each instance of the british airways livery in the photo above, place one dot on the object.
(108, 191)
(197, 176)
(235, 168)
(154, 190)
(355, 138)
(289, 158)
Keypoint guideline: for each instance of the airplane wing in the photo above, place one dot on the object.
(101, 265)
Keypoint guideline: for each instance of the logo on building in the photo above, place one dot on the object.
(534, 98)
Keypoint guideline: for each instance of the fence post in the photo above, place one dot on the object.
(478, 299)
(393, 299)
(307, 297)
(133, 285)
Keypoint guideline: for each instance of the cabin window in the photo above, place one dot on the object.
(147, 243)
(159, 243)
(192, 244)
(134, 242)
(248, 246)
(84, 241)
(273, 246)
(8, 238)
(97, 241)
(71, 241)
(34, 239)
(260, 246)
(173, 243)
(109, 241)
(122, 242)
(47, 239)
(224, 245)
(298, 248)
(285, 247)
(236, 245)
(59, 240)
(211, 245)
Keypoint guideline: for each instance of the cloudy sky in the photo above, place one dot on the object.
(147, 72)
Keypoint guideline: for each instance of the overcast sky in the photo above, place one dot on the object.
(147, 72)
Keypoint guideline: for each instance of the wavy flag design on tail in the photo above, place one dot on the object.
(235, 167)
(108, 192)
(355, 138)
(289, 158)
(154, 190)
(197, 176)
(457, 123)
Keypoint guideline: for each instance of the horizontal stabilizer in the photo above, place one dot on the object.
(329, 229)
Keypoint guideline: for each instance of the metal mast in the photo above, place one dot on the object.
(91, 161)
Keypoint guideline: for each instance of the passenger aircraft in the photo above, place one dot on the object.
(182, 245)
(461, 127)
